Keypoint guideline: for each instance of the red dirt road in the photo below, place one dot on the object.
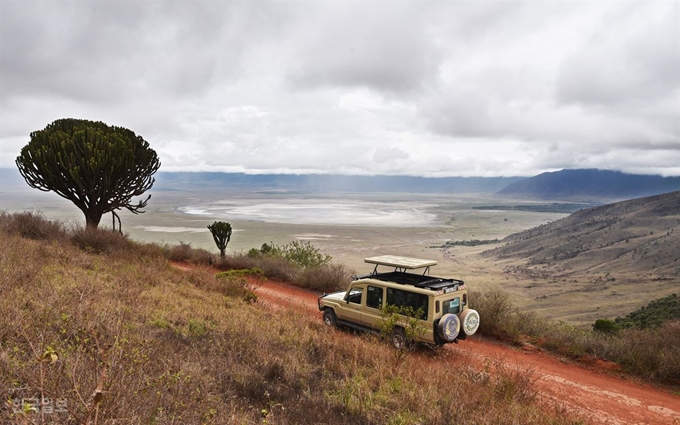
(592, 392)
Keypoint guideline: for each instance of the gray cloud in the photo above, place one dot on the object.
(387, 49)
(420, 88)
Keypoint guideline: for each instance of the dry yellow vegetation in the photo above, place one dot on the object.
(106, 331)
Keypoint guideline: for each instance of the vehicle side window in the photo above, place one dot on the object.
(355, 295)
(464, 300)
(452, 306)
(374, 297)
(413, 300)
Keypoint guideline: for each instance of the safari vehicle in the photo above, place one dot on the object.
(441, 304)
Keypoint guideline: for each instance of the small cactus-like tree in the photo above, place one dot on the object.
(221, 233)
(96, 166)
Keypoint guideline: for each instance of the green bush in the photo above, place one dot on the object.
(241, 273)
(653, 315)
(605, 326)
(300, 253)
(305, 255)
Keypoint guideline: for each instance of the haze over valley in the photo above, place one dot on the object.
(553, 262)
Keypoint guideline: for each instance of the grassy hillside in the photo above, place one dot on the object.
(109, 332)
(640, 236)
(602, 262)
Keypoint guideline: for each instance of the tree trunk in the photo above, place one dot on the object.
(92, 219)
(222, 252)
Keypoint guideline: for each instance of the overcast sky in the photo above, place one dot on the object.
(427, 88)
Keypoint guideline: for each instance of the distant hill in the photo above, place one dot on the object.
(590, 184)
(640, 235)
(329, 183)
(11, 179)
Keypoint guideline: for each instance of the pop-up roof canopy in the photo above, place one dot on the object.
(399, 275)
(400, 262)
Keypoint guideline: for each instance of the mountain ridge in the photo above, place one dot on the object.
(333, 182)
(590, 184)
(583, 185)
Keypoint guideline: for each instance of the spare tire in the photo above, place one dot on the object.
(469, 319)
(448, 327)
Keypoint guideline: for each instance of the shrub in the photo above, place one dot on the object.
(305, 255)
(100, 241)
(32, 225)
(496, 311)
(299, 253)
(181, 252)
(185, 253)
(327, 278)
(277, 268)
(255, 272)
(653, 314)
(605, 326)
(651, 353)
(236, 286)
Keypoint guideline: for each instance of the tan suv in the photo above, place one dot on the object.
(442, 303)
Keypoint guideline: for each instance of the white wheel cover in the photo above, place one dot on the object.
(470, 321)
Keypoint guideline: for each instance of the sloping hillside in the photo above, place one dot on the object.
(640, 235)
(590, 184)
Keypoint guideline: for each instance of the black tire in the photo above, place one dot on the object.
(329, 317)
(398, 338)
(448, 327)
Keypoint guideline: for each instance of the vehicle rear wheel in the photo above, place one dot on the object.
(329, 317)
(398, 338)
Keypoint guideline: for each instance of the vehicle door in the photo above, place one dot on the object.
(354, 304)
(375, 296)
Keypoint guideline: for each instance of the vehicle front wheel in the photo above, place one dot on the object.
(398, 338)
(329, 317)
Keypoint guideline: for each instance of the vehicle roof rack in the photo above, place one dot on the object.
(400, 263)
(401, 276)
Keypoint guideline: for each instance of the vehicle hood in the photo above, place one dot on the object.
(335, 296)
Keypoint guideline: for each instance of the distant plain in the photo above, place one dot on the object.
(348, 226)
(352, 226)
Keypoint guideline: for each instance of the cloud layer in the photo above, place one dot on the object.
(418, 88)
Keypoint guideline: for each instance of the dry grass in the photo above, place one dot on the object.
(122, 337)
(32, 225)
(325, 278)
(653, 354)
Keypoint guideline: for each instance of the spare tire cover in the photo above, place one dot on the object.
(449, 327)
(469, 321)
